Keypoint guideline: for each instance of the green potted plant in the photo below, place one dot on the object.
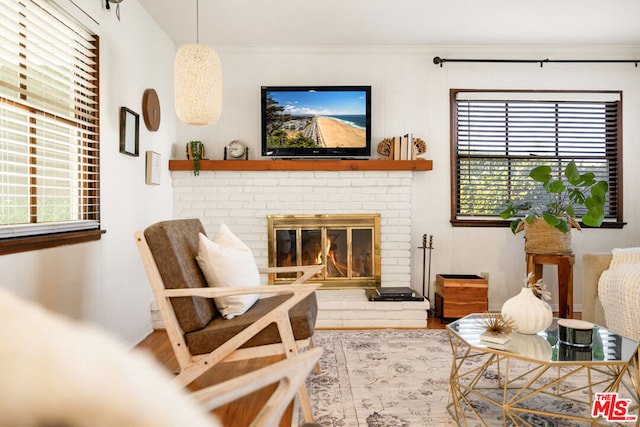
(564, 196)
(195, 152)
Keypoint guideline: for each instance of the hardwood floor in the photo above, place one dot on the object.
(242, 411)
(239, 413)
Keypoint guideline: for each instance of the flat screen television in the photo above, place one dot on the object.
(316, 121)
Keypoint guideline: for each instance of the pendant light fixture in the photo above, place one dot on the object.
(197, 82)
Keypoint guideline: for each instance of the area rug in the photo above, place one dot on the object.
(382, 378)
(392, 378)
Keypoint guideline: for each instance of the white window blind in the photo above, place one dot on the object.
(498, 137)
(49, 145)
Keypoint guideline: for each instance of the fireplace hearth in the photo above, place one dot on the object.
(347, 244)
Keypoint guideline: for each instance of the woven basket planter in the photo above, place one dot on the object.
(541, 238)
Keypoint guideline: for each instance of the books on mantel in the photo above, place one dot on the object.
(390, 293)
(403, 148)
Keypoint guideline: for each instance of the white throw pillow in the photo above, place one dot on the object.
(226, 261)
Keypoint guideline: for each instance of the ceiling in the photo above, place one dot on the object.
(398, 22)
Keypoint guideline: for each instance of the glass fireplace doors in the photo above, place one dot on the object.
(348, 246)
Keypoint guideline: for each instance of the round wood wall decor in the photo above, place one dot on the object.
(151, 109)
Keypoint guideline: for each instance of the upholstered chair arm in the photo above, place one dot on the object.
(594, 264)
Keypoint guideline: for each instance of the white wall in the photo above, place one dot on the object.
(411, 94)
(103, 281)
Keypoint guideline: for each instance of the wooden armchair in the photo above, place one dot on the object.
(200, 337)
(289, 374)
(61, 372)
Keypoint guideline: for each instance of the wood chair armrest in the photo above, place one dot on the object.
(227, 291)
(289, 374)
(308, 271)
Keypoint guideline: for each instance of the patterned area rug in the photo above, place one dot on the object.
(393, 378)
(382, 378)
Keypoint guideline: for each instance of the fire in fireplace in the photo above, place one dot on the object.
(347, 244)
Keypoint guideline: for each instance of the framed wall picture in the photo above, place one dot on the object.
(129, 132)
(153, 168)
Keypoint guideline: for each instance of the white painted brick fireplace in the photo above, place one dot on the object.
(243, 199)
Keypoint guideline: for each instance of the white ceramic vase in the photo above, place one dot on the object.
(529, 313)
(531, 346)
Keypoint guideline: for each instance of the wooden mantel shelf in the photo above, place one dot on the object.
(303, 165)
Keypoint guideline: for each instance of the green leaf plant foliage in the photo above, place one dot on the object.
(195, 152)
(579, 190)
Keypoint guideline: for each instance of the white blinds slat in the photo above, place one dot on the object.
(501, 136)
(49, 151)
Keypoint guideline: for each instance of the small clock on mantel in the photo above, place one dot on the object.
(236, 150)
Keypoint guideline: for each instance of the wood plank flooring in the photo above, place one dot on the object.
(239, 413)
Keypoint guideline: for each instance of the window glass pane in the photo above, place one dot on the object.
(49, 148)
(496, 143)
(14, 164)
(336, 249)
(362, 248)
(286, 244)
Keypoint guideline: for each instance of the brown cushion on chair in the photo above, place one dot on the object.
(303, 321)
(174, 245)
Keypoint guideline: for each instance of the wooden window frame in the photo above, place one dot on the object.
(86, 228)
(614, 220)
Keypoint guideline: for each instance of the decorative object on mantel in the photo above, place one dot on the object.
(151, 109)
(198, 82)
(393, 147)
(527, 310)
(195, 152)
(236, 150)
(547, 226)
(497, 329)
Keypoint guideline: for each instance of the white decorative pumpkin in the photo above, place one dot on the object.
(529, 313)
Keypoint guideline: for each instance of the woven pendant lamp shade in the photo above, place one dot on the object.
(198, 84)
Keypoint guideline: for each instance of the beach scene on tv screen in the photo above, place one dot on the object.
(315, 119)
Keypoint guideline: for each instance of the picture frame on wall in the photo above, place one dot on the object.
(129, 132)
(153, 161)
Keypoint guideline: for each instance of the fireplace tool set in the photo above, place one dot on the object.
(426, 273)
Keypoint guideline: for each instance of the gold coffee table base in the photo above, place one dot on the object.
(487, 377)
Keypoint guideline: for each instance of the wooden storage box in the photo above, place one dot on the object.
(461, 294)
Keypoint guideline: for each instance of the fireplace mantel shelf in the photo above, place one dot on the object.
(303, 165)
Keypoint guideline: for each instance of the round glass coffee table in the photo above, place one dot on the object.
(537, 380)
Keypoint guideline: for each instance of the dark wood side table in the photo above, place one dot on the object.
(565, 278)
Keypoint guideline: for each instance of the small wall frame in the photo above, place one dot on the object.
(153, 161)
(129, 132)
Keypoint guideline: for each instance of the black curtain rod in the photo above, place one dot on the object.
(440, 61)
